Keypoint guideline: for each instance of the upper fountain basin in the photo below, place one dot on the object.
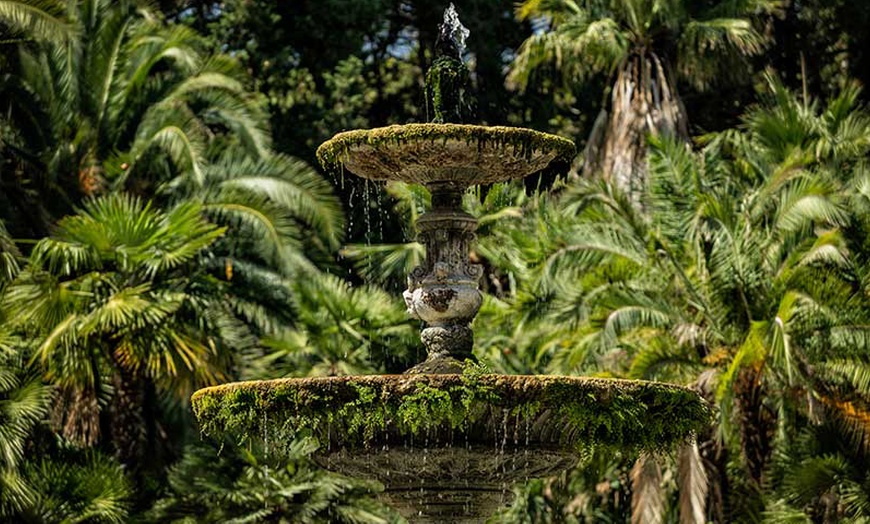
(460, 154)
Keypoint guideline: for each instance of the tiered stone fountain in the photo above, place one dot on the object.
(445, 440)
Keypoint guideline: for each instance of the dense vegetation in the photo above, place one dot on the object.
(163, 227)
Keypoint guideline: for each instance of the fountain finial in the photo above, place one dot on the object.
(448, 76)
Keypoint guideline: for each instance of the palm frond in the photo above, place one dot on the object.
(81, 487)
(577, 47)
(692, 480)
(40, 19)
(647, 499)
(703, 42)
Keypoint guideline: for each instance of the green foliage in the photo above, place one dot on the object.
(234, 485)
(116, 290)
(41, 19)
(74, 486)
(737, 278)
(281, 218)
(338, 330)
(596, 37)
(24, 402)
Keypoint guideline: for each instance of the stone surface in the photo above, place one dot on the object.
(443, 291)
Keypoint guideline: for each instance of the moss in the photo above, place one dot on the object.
(445, 83)
(547, 412)
(332, 153)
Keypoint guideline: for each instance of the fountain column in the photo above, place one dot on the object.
(443, 291)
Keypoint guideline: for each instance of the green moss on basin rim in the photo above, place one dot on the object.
(542, 412)
(424, 153)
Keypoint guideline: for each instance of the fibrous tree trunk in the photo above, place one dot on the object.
(128, 423)
(75, 414)
(643, 102)
(756, 422)
(714, 455)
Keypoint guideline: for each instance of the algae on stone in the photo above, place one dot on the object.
(568, 413)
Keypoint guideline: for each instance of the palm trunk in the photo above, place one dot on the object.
(76, 413)
(128, 423)
(756, 422)
(644, 101)
(715, 456)
(692, 481)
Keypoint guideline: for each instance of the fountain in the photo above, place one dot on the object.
(446, 439)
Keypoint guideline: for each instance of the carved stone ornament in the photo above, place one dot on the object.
(443, 291)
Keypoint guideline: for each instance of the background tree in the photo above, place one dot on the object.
(644, 46)
(118, 309)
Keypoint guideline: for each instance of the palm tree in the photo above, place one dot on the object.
(132, 97)
(644, 46)
(128, 102)
(148, 110)
(118, 303)
(20, 22)
(75, 105)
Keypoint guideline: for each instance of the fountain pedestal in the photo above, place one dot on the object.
(443, 292)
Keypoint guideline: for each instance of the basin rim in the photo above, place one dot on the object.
(356, 411)
(389, 141)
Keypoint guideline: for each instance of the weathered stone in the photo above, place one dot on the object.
(443, 291)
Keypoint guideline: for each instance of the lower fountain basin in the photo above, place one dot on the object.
(461, 154)
(448, 447)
